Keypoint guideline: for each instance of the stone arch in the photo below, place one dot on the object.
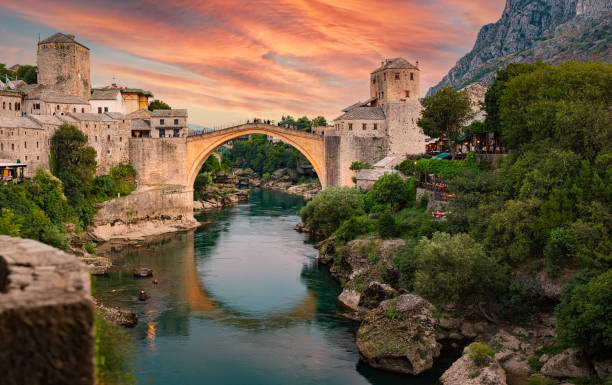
(200, 147)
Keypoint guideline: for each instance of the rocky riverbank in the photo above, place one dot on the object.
(221, 192)
(404, 333)
(285, 180)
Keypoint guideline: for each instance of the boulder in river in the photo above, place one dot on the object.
(97, 265)
(399, 335)
(465, 371)
(119, 316)
(143, 272)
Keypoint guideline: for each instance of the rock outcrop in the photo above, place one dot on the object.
(569, 363)
(399, 335)
(97, 265)
(530, 30)
(465, 371)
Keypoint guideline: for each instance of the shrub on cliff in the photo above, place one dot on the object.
(584, 314)
(326, 211)
(392, 190)
(456, 269)
(354, 227)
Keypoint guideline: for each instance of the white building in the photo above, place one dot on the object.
(107, 101)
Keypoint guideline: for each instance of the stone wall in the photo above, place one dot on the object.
(10, 103)
(165, 205)
(405, 136)
(46, 316)
(332, 159)
(349, 149)
(24, 140)
(159, 161)
(355, 127)
(385, 84)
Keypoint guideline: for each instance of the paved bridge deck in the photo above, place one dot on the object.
(269, 128)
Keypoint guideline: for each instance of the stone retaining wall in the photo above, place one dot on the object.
(46, 316)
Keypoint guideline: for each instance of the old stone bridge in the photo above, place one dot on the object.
(200, 147)
(177, 161)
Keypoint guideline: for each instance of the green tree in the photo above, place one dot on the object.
(584, 314)
(72, 155)
(28, 74)
(456, 269)
(303, 123)
(319, 121)
(444, 115)
(391, 189)
(329, 208)
(9, 223)
(494, 93)
(566, 106)
(159, 105)
(287, 121)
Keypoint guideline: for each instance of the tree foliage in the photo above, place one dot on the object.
(159, 105)
(319, 121)
(456, 269)
(445, 114)
(330, 207)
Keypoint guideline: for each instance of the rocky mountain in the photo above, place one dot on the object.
(552, 31)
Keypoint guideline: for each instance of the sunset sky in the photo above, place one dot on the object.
(228, 60)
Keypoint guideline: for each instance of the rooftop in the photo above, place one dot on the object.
(141, 124)
(363, 113)
(116, 115)
(169, 113)
(123, 90)
(60, 38)
(395, 63)
(17, 122)
(47, 119)
(91, 117)
(55, 97)
(104, 94)
(372, 173)
(143, 113)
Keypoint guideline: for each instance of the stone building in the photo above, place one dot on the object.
(107, 101)
(63, 65)
(132, 99)
(11, 103)
(168, 123)
(49, 102)
(23, 140)
(385, 124)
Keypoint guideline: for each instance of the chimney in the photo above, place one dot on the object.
(417, 64)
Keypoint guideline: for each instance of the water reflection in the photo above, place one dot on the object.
(241, 301)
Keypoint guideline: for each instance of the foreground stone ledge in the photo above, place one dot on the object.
(46, 316)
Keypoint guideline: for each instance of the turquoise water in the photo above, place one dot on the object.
(241, 301)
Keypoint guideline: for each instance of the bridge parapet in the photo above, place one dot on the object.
(46, 316)
(261, 126)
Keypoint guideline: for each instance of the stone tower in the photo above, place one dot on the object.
(395, 81)
(63, 65)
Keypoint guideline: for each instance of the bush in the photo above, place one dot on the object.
(266, 177)
(114, 352)
(326, 211)
(480, 353)
(391, 189)
(354, 227)
(406, 263)
(9, 223)
(387, 227)
(423, 201)
(557, 251)
(540, 379)
(91, 248)
(584, 314)
(522, 298)
(456, 269)
(407, 167)
(356, 166)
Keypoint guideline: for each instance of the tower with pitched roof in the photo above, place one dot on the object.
(63, 65)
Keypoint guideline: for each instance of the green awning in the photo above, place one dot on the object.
(464, 137)
(444, 155)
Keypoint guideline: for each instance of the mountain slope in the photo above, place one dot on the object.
(553, 31)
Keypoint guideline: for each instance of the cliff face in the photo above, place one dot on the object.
(530, 30)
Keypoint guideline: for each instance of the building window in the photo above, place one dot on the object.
(162, 133)
(175, 121)
(57, 107)
(12, 146)
(4, 105)
(376, 126)
(108, 125)
(382, 95)
(105, 109)
(385, 76)
(108, 138)
(26, 157)
(74, 109)
(96, 138)
(99, 110)
(407, 94)
(36, 144)
(350, 126)
(120, 139)
(373, 80)
(25, 144)
(161, 122)
(82, 110)
(10, 106)
(364, 126)
(1, 146)
(37, 157)
(397, 75)
(411, 76)
(86, 125)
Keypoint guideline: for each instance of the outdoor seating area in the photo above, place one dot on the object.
(12, 172)
(435, 184)
(480, 143)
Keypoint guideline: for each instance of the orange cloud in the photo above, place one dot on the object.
(291, 56)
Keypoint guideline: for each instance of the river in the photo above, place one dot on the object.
(241, 301)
